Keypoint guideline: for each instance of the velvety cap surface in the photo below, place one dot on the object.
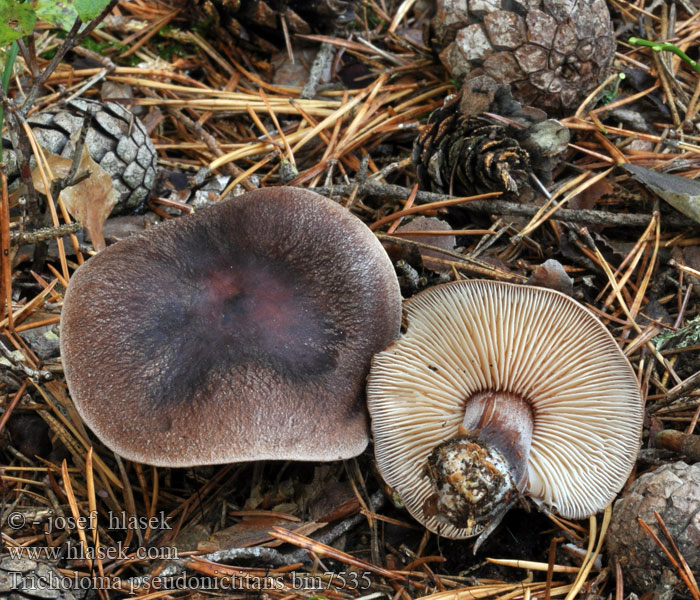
(241, 332)
(472, 336)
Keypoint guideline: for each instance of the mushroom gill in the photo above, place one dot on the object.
(525, 372)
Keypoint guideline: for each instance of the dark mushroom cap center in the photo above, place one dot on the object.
(255, 305)
(240, 312)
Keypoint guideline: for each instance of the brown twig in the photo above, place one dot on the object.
(503, 207)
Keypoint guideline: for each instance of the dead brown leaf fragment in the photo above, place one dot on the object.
(89, 201)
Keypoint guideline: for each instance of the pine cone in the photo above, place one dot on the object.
(116, 140)
(552, 52)
(674, 491)
(262, 18)
(464, 155)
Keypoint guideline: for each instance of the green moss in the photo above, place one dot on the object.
(96, 46)
(682, 338)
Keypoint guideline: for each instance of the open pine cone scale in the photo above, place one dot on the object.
(463, 156)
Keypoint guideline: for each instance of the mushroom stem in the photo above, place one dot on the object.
(484, 467)
(504, 421)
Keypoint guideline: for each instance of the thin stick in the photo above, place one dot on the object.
(532, 565)
(430, 206)
(5, 266)
(324, 550)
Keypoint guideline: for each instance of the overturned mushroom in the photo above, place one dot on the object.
(496, 391)
(242, 332)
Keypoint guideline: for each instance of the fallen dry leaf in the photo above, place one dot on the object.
(680, 192)
(589, 197)
(89, 202)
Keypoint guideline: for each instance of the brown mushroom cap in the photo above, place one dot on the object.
(468, 338)
(241, 332)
